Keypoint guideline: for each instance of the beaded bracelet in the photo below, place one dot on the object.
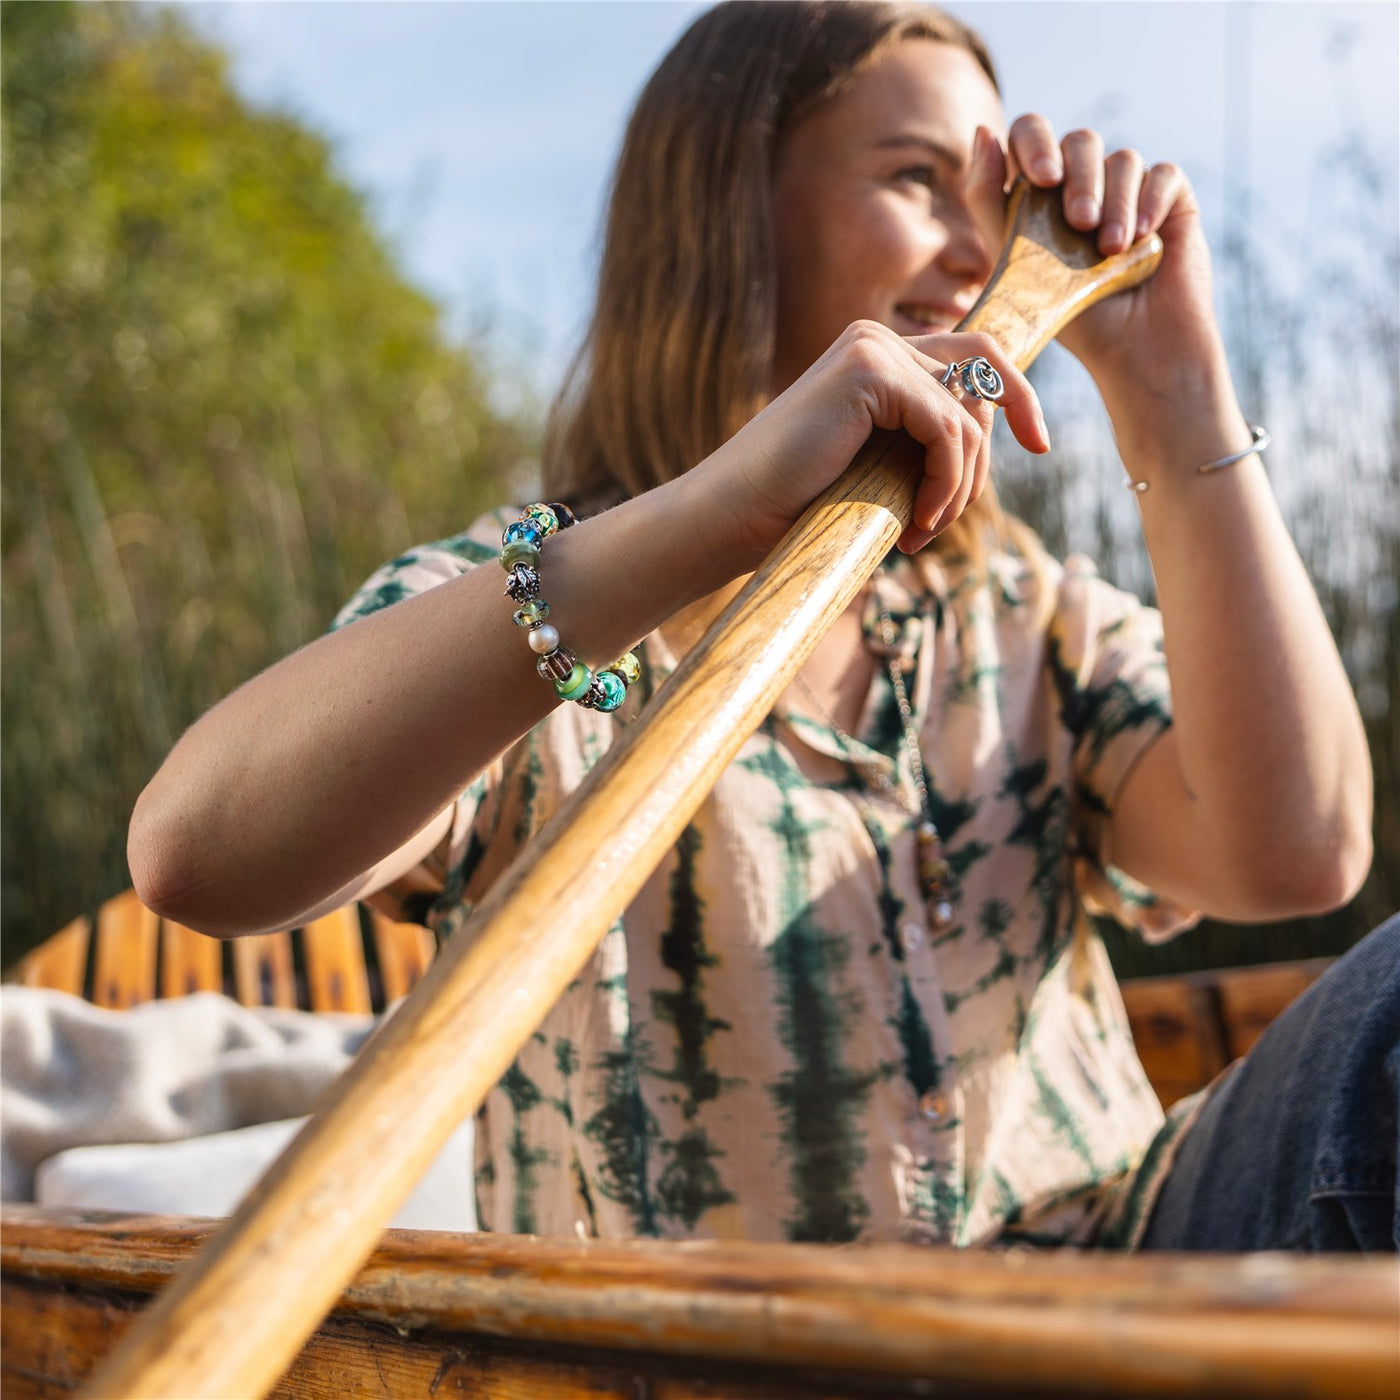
(520, 558)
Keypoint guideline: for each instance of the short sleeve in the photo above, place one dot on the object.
(426, 893)
(1106, 658)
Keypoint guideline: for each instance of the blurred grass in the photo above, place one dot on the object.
(222, 404)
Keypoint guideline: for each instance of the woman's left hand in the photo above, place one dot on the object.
(1160, 338)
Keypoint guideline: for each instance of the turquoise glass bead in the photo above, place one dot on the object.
(580, 678)
(532, 613)
(519, 552)
(614, 690)
(542, 517)
(525, 530)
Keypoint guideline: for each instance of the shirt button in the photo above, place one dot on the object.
(933, 1106)
(912, 936)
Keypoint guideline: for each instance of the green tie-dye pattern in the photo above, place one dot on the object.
(371, 600)
(1100, 713)
(524, 1095)
(993, 920)
(566, 1066)
(820, 1099)
(1043, 826)
(690, 1184)
(531, 779)
(484, 1179)
(1008, 1202)
(1051, 1105)
(935, 1202)
(625, 1129)
(920, 1066)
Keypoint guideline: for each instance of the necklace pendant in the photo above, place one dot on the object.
(933, 871)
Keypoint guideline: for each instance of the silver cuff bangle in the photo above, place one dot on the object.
(1259, 441)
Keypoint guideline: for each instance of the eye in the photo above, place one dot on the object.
(917, 175)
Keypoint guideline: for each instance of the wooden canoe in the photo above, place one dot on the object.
(437, 1314)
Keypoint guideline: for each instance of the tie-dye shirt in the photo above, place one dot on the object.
(771, 1043)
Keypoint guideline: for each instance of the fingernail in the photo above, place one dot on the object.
(1112, 236)
(1084, 209)
(1143, 224)
(1048, 169)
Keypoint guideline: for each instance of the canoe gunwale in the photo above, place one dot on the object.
(1118, 1324)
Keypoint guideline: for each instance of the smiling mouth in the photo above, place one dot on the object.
(926, 319)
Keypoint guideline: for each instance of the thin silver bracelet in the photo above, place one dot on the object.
(1259, 441)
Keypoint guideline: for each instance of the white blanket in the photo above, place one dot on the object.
(154, 1108)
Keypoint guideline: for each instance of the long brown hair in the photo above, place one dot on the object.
(678, 354)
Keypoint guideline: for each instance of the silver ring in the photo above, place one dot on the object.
(979, 378)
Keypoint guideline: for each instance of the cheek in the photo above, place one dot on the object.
(860, 255)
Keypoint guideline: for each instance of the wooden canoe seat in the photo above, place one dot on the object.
(136, 956)
(1187, 1028)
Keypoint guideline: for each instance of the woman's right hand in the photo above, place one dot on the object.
(773, 468)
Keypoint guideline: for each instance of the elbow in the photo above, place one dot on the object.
(165, 877)
(1346, 871)
(1289, 879)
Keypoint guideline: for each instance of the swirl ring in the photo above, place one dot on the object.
(979, 378)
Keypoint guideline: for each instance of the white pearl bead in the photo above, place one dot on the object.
(544, 639)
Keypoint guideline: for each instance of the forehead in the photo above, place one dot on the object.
(916, 88)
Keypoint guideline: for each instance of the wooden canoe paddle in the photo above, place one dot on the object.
(235, 1319)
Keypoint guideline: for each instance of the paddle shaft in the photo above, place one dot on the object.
(233, 1322)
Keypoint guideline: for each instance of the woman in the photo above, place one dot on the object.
(863, 996)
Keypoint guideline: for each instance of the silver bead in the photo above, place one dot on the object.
(544, 639)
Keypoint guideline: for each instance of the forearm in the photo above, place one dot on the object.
(1271, 749)
(320, 767)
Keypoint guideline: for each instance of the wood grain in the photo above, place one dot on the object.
(404, 951)
(59, 962)
(234, 1321)
(979, 1322)
(189, 962)
(124, 973)
(262, 970)
(335, 962)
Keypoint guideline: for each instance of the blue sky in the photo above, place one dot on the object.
(483, 133)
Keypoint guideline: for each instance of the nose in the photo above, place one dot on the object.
(969, 250)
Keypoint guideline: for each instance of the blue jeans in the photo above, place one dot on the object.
(1297, 1149)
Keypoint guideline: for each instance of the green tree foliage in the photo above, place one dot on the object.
(223, 406)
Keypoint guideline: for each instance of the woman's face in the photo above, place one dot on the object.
(870, 213)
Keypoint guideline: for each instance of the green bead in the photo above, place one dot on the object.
(614, 691)
(580, 678)
(628, 667)
(543, 517)
(519, 552)
(532, 613)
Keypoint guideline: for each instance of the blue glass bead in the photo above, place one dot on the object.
(614, 690)
(542, 518)
(525, 530)
(519, 552)
(580, 678)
